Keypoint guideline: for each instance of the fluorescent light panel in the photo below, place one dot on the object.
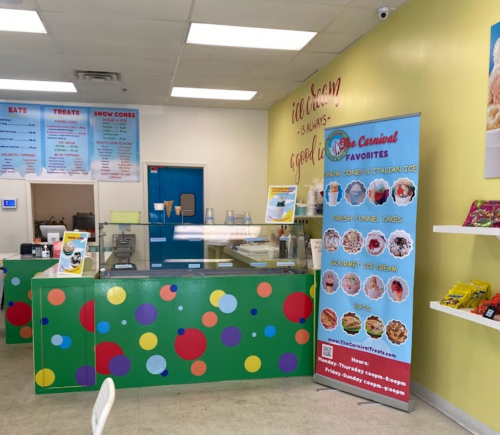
(17, 20)
(249, 37)
(35, 85)
(212, 94)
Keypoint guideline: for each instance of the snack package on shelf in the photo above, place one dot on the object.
(483, 214)
(484, 305)
(467, 295)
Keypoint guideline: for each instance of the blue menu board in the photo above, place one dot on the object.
(68, 143)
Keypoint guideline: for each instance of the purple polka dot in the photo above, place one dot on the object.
(288, 362)
(119, 365)
(231, 336)
(85, 376)
(146, 314)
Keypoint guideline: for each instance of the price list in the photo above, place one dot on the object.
(66, 142)
(20, 141)
(116, 145)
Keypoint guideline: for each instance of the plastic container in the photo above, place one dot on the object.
(300, 209)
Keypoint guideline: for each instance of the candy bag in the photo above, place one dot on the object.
(483, 214)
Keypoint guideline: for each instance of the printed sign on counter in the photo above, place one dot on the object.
(281, 204)
(73, 250)
(368, 258)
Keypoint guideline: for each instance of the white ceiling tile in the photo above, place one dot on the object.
(281, 86)
(137, 79)
(37, 43)
(354, 20)
(151, 51)
(40, 96)
(329, 42)
(377, 3)
(23, 4)
(172, 10)
(121, 65)
(269, 95)
(207, 69)
(241, 84)
(148, 99)
(24, 65)
(312, 60)
(117, 88)
(259, 104)
(88, 27)
(325, 2)
(295, 74)
(265, 13)
(236, 55)
(195, 102)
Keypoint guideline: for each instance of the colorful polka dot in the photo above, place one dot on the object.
(66, 342)
(191, 345)
(231, 336)
(253, 312)
(168, 292)
(45, 378)
(104, 352)
(148, 341)
(156, 365)
(146, 314)
(252, 364)
(312, 290)
(18, 313)
(44, 321)
(164, 373)
(124, 322)
(254, 334)
(87, 316)
(270, 331)
(264, 289)
(181, 331)
(56, 297)
(198, 368)
(227, 304)
(209, 319)
(302, 336)
(180, 308)
(119, 365)
(15, 281)
(85, 376)
(288, 362)
(103, 327)
(26, 332)
(30, 295)
(116, 295)
(56, 340)
(297, 306)
(215, 297)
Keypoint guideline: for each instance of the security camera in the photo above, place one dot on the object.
(383, 12)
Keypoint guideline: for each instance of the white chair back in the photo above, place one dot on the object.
(103, 405)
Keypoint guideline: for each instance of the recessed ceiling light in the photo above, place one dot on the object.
(249, 37)
(212, 94)
(17, 20)
(36, 85)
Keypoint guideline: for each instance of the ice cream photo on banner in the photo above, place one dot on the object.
(378, 191)
(332, 193)
(330, 282)
(355, 193)
(403, 191)
(397, 289)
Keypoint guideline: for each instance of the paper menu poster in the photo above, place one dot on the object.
(73, 250)
(281, 204)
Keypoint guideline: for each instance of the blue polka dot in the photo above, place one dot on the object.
(270, 331)
(44, 321)
(103, 327)
(164, 373)
(10, 304)
(15, 281)
(66, 342)
(253, 311)
(181, 331)
(302, 320)
(173, 288)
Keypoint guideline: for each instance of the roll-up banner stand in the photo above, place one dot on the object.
(368, 259)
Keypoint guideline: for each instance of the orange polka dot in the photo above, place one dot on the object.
(26, 332)
(264, 289)
(167, 294)
(302, 336)
(56, 297)
(30, 295)
(198, 368)
(209, 319)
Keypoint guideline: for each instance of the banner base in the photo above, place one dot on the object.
(356, 391)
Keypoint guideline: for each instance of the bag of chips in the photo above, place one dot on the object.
(483, 214)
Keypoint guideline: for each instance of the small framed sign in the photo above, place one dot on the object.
(490, 312)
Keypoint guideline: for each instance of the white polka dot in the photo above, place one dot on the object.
(56, 340)
(181, 308)
(15, 281)
(124, 322)
(254, 334)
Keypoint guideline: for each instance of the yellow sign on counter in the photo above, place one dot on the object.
(73, 251)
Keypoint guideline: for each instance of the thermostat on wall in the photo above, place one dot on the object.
(9, 202)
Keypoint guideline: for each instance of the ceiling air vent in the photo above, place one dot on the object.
(99, 76)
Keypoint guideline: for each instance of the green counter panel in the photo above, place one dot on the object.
(17, 288)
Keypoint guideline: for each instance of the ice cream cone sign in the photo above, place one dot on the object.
(168, 206)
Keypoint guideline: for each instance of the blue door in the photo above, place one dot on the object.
(184, 186)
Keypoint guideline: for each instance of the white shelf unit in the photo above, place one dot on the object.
(465, 313)
(458, 229)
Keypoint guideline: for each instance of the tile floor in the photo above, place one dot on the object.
(262, 407)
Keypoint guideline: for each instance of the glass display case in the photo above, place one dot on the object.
(166, 250)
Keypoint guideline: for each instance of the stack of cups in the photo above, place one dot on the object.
(209, 216)
(311, 202)
(247, 218)
(230, 217)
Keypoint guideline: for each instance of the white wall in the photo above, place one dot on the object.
(231, 143)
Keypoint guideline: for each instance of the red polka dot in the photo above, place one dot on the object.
(297, 306)
(104, 353)
(19, 314)
(87, 316)
(190, 345)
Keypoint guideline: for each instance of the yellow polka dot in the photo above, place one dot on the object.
(215, 297)
(148, 341)
(252, 364)
(312, 291)
(116, 295)
(45, 377)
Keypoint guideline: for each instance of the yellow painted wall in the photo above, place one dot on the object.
(431, 56)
